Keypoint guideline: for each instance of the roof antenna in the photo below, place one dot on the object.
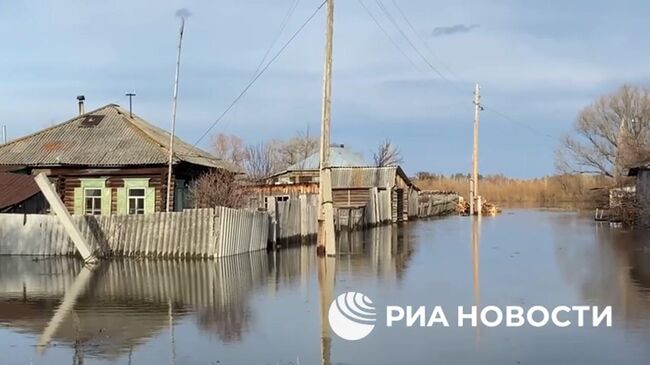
(130, 95)
(182, 13)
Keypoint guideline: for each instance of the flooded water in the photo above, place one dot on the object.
(265, 308)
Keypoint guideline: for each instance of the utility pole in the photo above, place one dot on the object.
(620, 150)
(171, 136)
(473, 189)
(130, 95)
(326, 239)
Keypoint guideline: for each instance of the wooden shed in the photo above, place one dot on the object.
(352, 181)
(110, 162)
(642, 174)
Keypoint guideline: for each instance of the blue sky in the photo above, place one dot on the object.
(539, 63)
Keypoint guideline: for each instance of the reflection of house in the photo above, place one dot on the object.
(108, 162)
(20, 194)
(642, 174)
(352, 181)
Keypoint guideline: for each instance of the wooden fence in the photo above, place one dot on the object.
(199, 233)
(295, 219)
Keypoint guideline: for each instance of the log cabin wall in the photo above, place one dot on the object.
(66, 180)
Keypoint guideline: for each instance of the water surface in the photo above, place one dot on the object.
(265, 308)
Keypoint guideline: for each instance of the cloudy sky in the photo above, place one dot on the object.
(539, 63)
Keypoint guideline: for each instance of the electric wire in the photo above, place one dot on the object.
(261, 72)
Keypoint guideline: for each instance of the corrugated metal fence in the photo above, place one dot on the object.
(199, 233)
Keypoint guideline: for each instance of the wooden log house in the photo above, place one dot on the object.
(110, 162)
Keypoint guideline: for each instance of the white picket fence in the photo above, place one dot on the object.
(198, 233)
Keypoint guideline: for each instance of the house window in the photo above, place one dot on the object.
(136, 201)
(93, 201)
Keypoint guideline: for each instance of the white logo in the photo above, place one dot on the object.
(352, 316)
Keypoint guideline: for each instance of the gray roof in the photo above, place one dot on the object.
(364, 177)
(117, 140)
(339, 157)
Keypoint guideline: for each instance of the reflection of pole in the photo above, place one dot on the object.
(171, 330)
(476, 255)
(69, 299)
(326, 270)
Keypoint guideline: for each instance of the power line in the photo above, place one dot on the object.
(408, 40)
(388, 36)
(514, 121)
(250, 84)
(283, 25)
(424, 42)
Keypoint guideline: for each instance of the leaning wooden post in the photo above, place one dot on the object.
(59, 209)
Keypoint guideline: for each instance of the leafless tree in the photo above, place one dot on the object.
(218, 188)
(387, 154)
(230, 148)
(265, 158)
(296, 149)
(260, 161)
(609, 135)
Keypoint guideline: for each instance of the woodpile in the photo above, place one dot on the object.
(487, 209)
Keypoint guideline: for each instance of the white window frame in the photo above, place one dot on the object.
(93, 209)
(135, 199)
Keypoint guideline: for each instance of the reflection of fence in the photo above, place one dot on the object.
(192, 233)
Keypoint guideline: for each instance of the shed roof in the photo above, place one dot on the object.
(367, 176)
(633, 171)
(107, 136)
(15, 188)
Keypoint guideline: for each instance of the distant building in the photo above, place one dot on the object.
(642, 174)
(106, 162)
(20, 194)
(352, 179)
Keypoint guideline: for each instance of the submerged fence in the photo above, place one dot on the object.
(294, 219)
(200, 233)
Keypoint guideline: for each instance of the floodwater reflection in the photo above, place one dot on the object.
(272, 307)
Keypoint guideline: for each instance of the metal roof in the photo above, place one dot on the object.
(339, 157)
(365, 177)
(15, 188)
(115, 140)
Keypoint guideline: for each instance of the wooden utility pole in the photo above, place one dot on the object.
(473, 189)
(620, 149)
(326, 242)
(168, 202)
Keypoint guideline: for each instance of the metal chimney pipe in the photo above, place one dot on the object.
(81, 99)
(4, 134)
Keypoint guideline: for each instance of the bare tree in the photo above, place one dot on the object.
(609, 135)
(296, 149)
(387, 154)
(230, 148)
(260, 161)
(218, 188)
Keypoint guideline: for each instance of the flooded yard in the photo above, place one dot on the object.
(265, 308)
